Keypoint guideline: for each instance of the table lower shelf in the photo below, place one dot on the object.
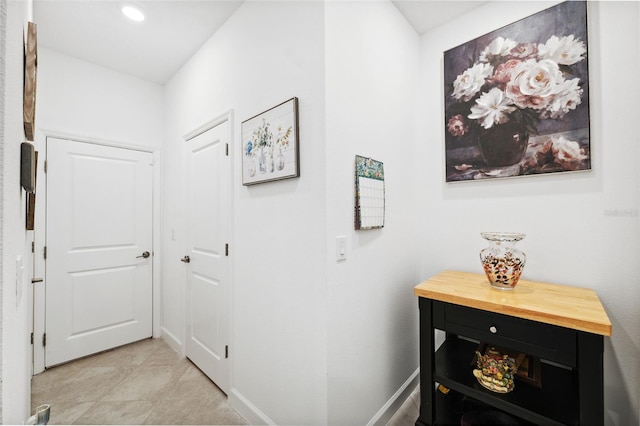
(554, 404)
(455, 409)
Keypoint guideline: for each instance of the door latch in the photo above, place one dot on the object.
(144, 254)
(186, 259)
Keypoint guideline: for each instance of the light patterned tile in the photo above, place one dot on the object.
(47, 382)
(225, 415)
(415, 396)
(408, 412)
(116, 413)
(193, 384)
(86, 384)
(164, 355)
(403, 419)
(67, 412)
(133, 354)
(194, 412)
(147, 383)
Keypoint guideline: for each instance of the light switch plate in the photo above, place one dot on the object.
(341, 248)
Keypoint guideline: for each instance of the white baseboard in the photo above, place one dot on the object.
(171, 340)
(250, 412)
(394, 403)
(254, 416)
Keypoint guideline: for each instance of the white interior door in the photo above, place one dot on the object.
(208, 287)
(99, 244)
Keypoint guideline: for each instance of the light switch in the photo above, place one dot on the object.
(341, 248)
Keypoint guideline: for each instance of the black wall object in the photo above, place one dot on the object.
(27, 167)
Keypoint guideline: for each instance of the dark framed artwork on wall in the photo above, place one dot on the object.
(30, 80)
(270, 144)
(517, 99)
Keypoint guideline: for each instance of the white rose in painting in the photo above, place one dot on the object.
(565, 51)
(504, 72)
(567, 97)
(567, 153)
(534, 83)
(498, 47)
(469, 83)
(492, 108)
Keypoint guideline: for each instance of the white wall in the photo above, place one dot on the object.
(582, 229)
(91, 102)
(373, 59)
(265, 54)
(15, 289)
(3, 32)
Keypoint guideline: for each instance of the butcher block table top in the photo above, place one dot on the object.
(562, 305)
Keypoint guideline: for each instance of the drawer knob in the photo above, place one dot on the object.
(493, 329)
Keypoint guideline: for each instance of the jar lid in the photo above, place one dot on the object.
(502, 236)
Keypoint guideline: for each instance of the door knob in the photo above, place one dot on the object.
(144, 254)
(186, 259)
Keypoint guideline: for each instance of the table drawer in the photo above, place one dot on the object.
(534, 338)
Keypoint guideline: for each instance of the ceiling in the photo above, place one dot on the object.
(425, 15)
(154, 50)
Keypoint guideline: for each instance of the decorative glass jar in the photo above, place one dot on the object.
(502, 261)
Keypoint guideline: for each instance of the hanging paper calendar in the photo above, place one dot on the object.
(369, 209)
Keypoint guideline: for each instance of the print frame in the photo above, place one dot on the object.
(270, 144)
(496, 124)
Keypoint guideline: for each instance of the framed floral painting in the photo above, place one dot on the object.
(517, 99)
(270, 144)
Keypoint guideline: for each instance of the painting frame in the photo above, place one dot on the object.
(271, 144)
(499, 125)
(30, 81)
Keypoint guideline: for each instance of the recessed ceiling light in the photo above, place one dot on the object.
(132, 12)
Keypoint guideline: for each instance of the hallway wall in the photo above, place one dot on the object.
(266, 53)
(583, 229)
(335, 341)
(15, 279)
(373, 59)
(87, 101)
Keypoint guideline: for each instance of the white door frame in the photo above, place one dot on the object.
(228, 117)
(39, 325)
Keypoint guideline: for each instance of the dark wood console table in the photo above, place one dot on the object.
(561, 325)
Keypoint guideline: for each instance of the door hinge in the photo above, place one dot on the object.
(44, 252)
(226, 351)
(226, 249)
(227, 150)
(46, 166)
(32, 338)
(44, 339)
(33, 246)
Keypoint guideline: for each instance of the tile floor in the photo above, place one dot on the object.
(146, 383)
(142, 383)
(408, 413)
